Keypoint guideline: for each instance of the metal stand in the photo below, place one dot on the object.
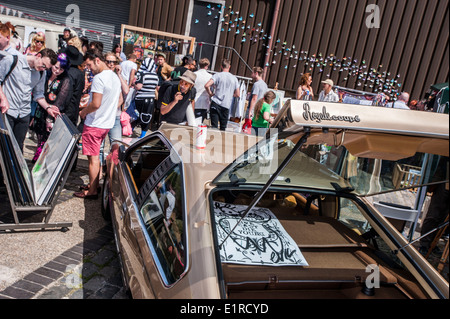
(444, 257)
(48, 209)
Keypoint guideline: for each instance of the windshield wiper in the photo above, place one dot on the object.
(261, 193)
(339, 188)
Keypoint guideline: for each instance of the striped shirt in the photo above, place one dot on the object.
(149, 83)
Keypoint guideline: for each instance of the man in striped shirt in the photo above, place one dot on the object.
(146, 83)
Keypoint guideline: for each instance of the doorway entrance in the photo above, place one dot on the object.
(204, 26)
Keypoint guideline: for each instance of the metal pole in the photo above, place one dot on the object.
(395, 252)
(272, 34)
(201, 50)
(261, 193)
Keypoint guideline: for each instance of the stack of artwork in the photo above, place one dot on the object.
(38, 186)
(143, 45)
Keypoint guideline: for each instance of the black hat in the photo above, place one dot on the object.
(74, 55)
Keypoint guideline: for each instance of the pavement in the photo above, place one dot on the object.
(80, 263)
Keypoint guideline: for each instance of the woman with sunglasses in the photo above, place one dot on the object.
(36, 45)
(58, 91)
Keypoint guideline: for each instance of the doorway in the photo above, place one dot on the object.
(204, 26)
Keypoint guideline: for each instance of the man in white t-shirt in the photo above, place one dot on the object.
(202, 98)
(99, 116)
(129, 68)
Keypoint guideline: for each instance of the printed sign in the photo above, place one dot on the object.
(143, 45)
(37, 186)
(277, 104)
(259, 239)
(324, 115)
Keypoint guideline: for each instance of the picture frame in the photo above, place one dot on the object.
(161, 45)
(277, 104)
(150, 43)
(37, 187)
(139, 53)
(149, 53)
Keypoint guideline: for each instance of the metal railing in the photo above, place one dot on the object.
(229, 51)
(247, 81)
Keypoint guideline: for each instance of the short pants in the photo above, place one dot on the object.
(92, 139)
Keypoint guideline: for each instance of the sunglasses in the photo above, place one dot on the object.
(39, 41)
(111, 62)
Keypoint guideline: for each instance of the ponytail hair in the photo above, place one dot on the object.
(268, 98)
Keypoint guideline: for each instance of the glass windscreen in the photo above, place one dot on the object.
(368, 176)
(328, 167)
(260, 162)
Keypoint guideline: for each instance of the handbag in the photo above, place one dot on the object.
(132, 112)
(125, 123)
(247, 127)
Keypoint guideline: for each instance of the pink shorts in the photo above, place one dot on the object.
(92, 139)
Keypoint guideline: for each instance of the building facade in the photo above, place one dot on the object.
(97, 20)
(368, 45)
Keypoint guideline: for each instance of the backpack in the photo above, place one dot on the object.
(13, 65)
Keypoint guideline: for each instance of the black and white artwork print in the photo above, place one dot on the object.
(259, 239)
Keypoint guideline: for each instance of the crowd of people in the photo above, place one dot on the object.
(328, 94)
(78, 80)
(95, 89)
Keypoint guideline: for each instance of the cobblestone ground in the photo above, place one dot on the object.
(87, 269)
(97, 276)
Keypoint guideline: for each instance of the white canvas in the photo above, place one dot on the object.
(55, 153)
(259, 239)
